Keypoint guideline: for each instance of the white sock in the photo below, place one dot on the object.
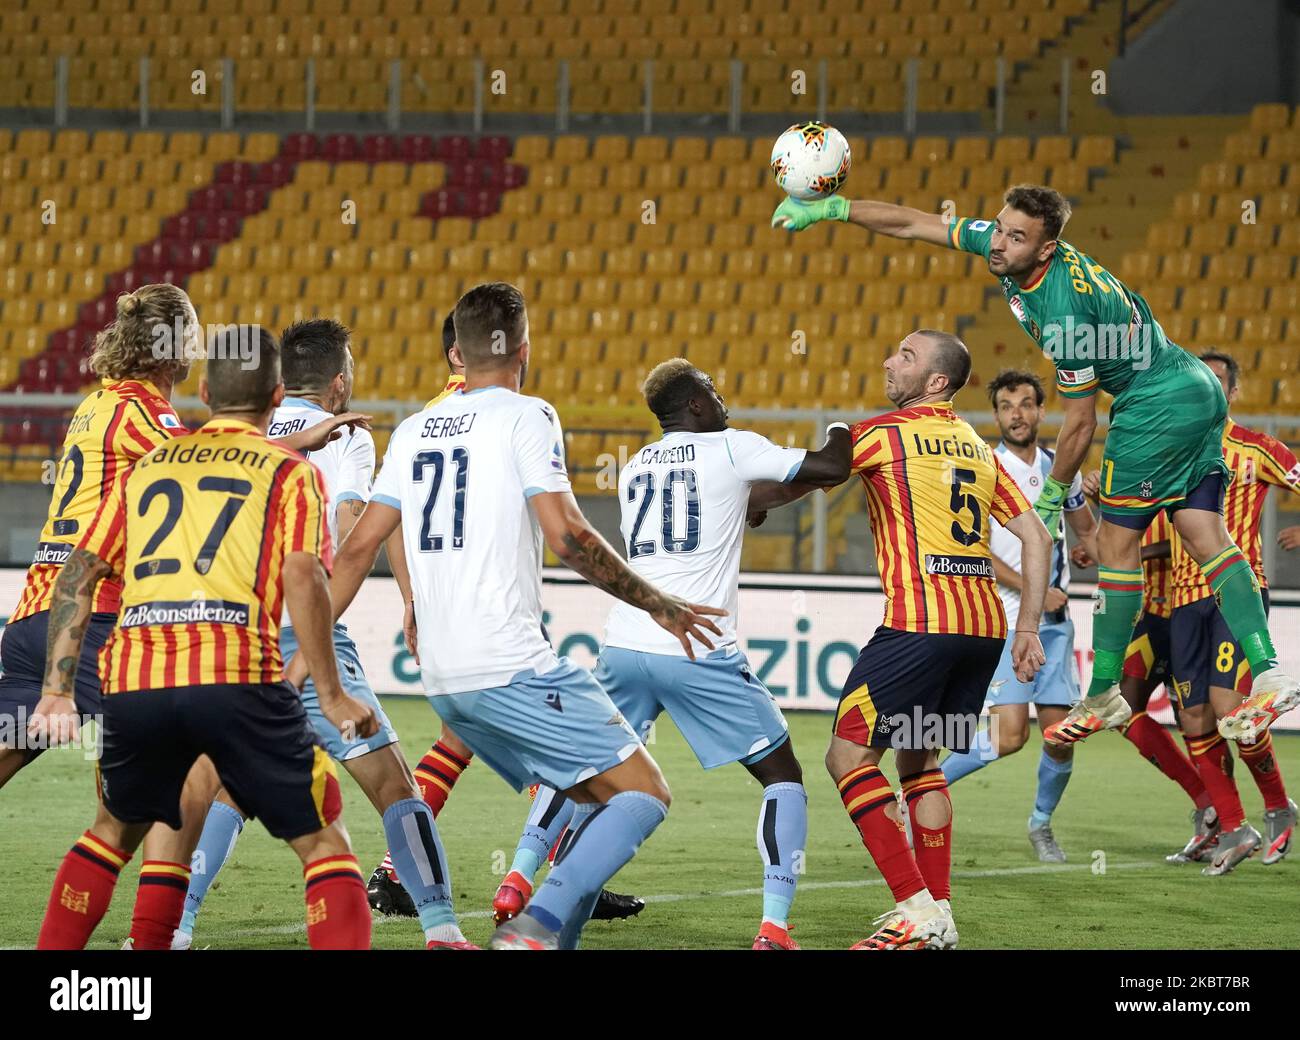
(922, 903)
(448, 933)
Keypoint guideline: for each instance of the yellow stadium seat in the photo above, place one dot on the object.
(1268, 118)
(1283, 146)
(1178, 326)
(1166, 235)
(1243, 300)
(1279, 360)
(1258, 238)
(1216, 328)
(1208, 237)
(1263, 328)
(1053, 149)
(1260, 176)
(1009, 150)
(1285, 298)
(1161, 298)
(1096, 151)
(1271, 269)
(1218, 176)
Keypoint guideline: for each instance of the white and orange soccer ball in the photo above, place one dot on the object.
(811, 160)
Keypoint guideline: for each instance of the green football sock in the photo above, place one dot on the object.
(1242, 606)
(1119, 594)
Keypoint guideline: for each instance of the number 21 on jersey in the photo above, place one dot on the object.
(436, 460)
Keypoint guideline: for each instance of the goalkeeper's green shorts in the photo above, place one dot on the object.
(1165, 440)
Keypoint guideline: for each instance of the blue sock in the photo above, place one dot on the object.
(609, 837)
(550, 814)
(1052, 778)
(782, 834)
(571, 933)
(221, 830)
(420, 860)
(981, 753)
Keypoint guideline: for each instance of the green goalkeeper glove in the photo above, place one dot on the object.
(1050, 503)
(794, 215)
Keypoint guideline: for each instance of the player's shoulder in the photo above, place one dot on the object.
(895, 418)
(143, 398)
(526, 407)
(1245, 437)
(740, 439)
(359, 439)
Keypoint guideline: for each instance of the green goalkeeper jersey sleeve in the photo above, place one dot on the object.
(1098, 333)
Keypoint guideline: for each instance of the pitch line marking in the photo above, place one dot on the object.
(685, 897)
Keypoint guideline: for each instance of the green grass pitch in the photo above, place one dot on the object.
(701, 872)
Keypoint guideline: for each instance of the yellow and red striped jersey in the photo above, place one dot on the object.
(1257, 461)
(931, 485)
(198, 530)
(114, 426)
(454, 383)
(1156, 571)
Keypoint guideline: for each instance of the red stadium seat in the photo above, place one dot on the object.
(453, 148)
(297, 147)
(340, 148)
(380, 148)
(417, 148)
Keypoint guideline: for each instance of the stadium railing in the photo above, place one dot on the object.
(919, 86)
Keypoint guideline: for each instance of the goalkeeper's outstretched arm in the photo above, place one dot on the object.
(899, 221)
(882, 217)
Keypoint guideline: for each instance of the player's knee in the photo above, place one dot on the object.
(395, 788)
(779, 767)
(1204, 537)
(328, 841)
(1059, 754)
(843, 757)
(1009, 741)
(932, 810)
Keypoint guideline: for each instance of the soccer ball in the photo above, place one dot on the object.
(810, 160)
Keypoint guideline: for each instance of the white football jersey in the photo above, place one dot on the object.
(1006, 546)
(461, 472)
(683, 502)
(347, 463)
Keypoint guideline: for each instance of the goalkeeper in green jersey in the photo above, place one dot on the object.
(1163, 449)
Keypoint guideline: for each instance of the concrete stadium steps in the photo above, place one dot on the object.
(1090, 42)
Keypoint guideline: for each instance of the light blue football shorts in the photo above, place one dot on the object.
(557, 729)
(355, 685)
(1057, 682)
(725, 713)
